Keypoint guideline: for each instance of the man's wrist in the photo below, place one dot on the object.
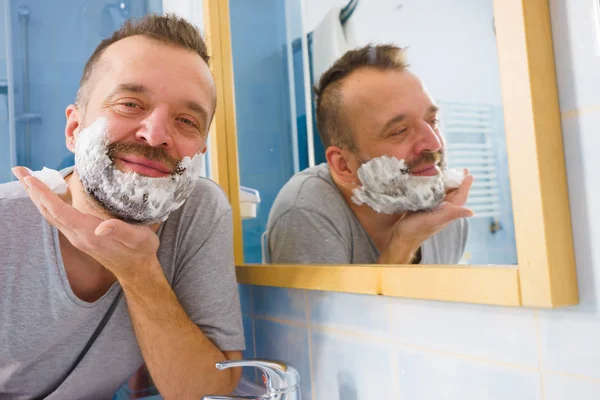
(400, 251)
(141, 274)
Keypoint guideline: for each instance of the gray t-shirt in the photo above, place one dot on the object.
(311, 223)
(44, 325)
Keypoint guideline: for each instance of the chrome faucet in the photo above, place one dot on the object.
(282, 381)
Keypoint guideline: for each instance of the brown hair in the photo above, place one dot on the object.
(168, 29)
(333, 128)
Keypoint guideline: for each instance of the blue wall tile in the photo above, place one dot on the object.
(347, 368)
(246, 298)
(249, 373)
(349, 311)
(278, 302)
(287, 343)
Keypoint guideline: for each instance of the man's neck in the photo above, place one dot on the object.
(378, 226)
(79, 200)
(89, 280)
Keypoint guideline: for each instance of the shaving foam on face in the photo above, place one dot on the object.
(388, 188)
(129, 196)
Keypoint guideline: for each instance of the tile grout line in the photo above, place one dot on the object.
(538, 340)
(583, 378)
(313, 383)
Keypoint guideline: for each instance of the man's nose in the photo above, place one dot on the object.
(429, 139)
(156, 130)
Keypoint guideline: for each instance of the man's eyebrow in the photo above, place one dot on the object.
(128, 88)
(433, 109)
(197, 108)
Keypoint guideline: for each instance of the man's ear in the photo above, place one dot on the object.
(343, 164)
(73, 124)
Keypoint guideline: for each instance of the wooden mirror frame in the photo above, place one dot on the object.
(545, 276)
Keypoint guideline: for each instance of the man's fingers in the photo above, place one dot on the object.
(129, 235)
(460, 195)
(20, 173)
(62, 212)
(447, 213)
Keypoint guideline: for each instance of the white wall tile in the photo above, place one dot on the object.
(503, 334)
(581, 143)
(570, 341)
(576, 41)
(425, 376)
(557, 387)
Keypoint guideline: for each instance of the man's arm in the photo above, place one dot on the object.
(179, 357)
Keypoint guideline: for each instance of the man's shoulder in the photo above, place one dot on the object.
(208, 200)
(311, 189)
(14, 201)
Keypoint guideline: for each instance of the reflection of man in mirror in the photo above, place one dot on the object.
(133, 263)
(384, 195)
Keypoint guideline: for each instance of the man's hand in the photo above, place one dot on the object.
(118, 246)
(415, 228)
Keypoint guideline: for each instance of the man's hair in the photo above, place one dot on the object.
(331, 122)
(168, 29)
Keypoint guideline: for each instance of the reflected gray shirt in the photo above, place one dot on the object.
(311, 223)
(44, 325)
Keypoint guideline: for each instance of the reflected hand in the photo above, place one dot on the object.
(118, 246)
(460, 195)
(414, 228)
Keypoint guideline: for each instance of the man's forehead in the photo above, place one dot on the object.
(115, 66)
(372, 84)
(387, 92)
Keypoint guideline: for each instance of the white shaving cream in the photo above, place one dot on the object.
(130, 196)
(389, 188)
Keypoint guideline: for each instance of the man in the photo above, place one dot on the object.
(125, 226)
(372, 111)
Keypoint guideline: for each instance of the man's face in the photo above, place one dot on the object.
(158, 101)
(139, 143)
(390, 113)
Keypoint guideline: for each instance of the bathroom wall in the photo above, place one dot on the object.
(353, 347)
(54, 71)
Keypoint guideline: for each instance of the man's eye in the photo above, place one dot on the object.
(399, 132)
(130, 104)
(434, 121)
(187, 122)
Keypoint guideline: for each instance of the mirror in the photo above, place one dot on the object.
(454, 53)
